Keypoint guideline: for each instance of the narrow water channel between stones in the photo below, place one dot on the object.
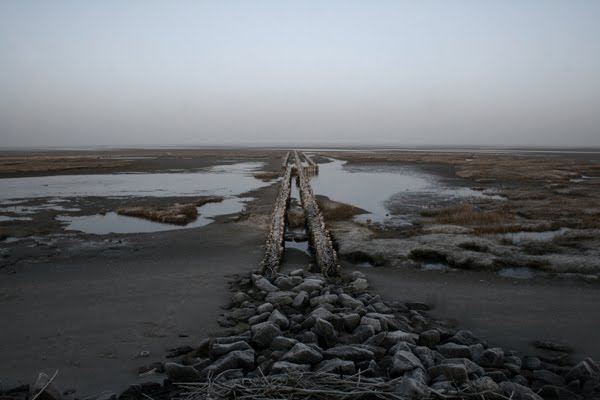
(298, 252)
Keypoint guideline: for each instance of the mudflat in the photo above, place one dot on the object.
(91, 306)
(91, 317)
(98, 307)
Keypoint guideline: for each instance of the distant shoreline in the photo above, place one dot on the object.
(408, 148)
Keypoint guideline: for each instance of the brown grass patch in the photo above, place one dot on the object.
(336, 211)
(482, 221)
(295, 217)
(208, 199)
(343, 211)
(179, 214)
(266, 176)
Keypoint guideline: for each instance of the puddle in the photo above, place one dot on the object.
(129, 158)
(363, 264)
(295, 195)
(115, 223)
(302, 246)
(26, 210)
(378, 187)
(433, 266)
(6, 218)
(220, 180)
(519, 237)
(11, 202)
(517, 273)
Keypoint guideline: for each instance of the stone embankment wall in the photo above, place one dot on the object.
(285, 161)
(325, 255)
(297, 162)
(313, 167)
(274, 247)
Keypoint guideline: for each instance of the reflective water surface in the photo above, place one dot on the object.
(517, 272)
(377, 187)
(546, 236)
(114, 223)
(221, 180)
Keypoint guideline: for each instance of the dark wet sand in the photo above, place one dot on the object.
(88, 317)
(508, 313)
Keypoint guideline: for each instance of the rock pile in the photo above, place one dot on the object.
(303, 324)
(296, 330)
(274, 245)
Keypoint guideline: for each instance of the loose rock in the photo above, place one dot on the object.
(264, 333)
(181, 373)
(284, 367)
(337, 366)
(302, 354)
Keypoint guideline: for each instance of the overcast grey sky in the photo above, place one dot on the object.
(375, 72)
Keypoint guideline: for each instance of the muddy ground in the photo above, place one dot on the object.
(453, 255)
(88, 305)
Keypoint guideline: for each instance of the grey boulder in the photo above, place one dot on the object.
(284, 367)
(404, 361)
(239, 359)
(337, 366)
(302, 354)
(264, 333)
(181, 373)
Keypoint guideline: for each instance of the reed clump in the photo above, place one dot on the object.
(178, 214)
(497, 220)
(336, 211)
(267, 176)
(296, 217)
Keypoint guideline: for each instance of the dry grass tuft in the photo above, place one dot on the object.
(267, 176)
(179, 214)
(336, 211)
(482, 221)
(208, 199)
(296, 218)
(307, 386)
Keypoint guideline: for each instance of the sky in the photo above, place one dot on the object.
(405, 73)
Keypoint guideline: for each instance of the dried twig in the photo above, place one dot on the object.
(45, 386)
(309, 385)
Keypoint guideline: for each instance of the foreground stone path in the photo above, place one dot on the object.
(291, 329)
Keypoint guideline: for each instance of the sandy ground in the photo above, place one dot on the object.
(89, 317)
(88, 305)
(507, 312)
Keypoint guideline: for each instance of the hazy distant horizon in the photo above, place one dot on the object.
(310, 146)
(341, 73)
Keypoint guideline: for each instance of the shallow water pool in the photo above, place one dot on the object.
(114, 223)
(375, 187)
(221, 180)
(517, 272)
